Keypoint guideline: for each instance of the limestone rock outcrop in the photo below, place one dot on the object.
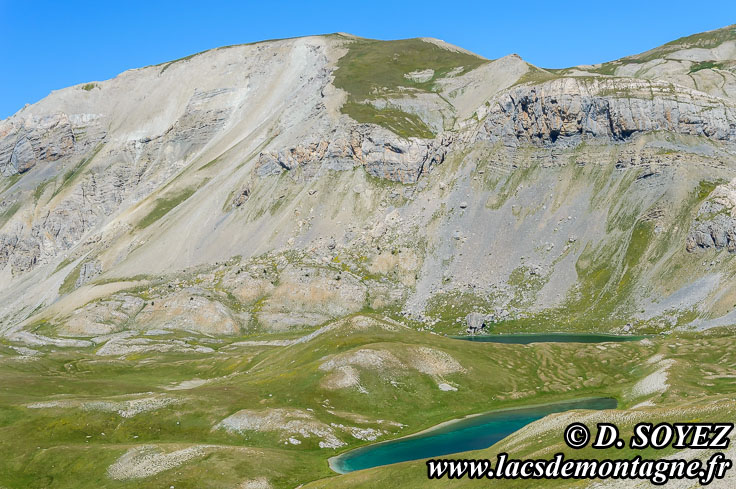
(564, 111)
(382, 153)
(24, 142)
(715, 223)
(476, 322)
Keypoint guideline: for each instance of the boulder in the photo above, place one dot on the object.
(477, 321)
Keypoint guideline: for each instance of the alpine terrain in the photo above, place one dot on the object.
(221, 271)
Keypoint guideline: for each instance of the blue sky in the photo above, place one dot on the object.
(48, 45)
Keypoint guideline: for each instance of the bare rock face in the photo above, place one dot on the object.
(310, 296)
(20, 252)
(403, 161)
(130, 171)
(715, 224)
(241, 197)
(102, 317)
(88, 271)
(563, 111)
(24, 142)
(189, 312)
(248, 284)
(382, 153)
(717, 232)
(188, 309)
(476, 321)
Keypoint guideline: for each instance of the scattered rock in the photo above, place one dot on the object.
(289, 422)
(420, 76)
(241, 197)
(149, 460)
(476, 321)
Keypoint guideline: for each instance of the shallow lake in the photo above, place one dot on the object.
(470, 433)
(526, 338)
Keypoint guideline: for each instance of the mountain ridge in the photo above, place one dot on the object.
(186, 137)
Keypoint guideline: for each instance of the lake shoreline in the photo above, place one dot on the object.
(553, 337)
(332, 461)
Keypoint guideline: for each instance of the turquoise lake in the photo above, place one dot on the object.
(525, 339)
(471, 433)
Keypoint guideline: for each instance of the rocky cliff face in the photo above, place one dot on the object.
(47, 138)
(380, 152)
(276, 200)
(714, 225)
(567, 110)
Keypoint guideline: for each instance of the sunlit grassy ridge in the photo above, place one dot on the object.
(373, 69)
(702, 40)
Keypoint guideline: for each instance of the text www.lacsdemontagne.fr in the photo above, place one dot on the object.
(658, 471)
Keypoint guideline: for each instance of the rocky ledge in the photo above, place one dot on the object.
(564, 111)
(382, 153)
(715, 224)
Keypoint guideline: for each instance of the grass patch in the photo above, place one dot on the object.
(70, 282)
(164, 205)
(8, 213)
(449, 306)
(38, 192)
(11, 180)
(64, 263)
(210, 164)
(536, 76)
(511, 185)
(641, 238)
(374, 69)
(185, 58)
(706, 40)
(705, 65)
(399, 122)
